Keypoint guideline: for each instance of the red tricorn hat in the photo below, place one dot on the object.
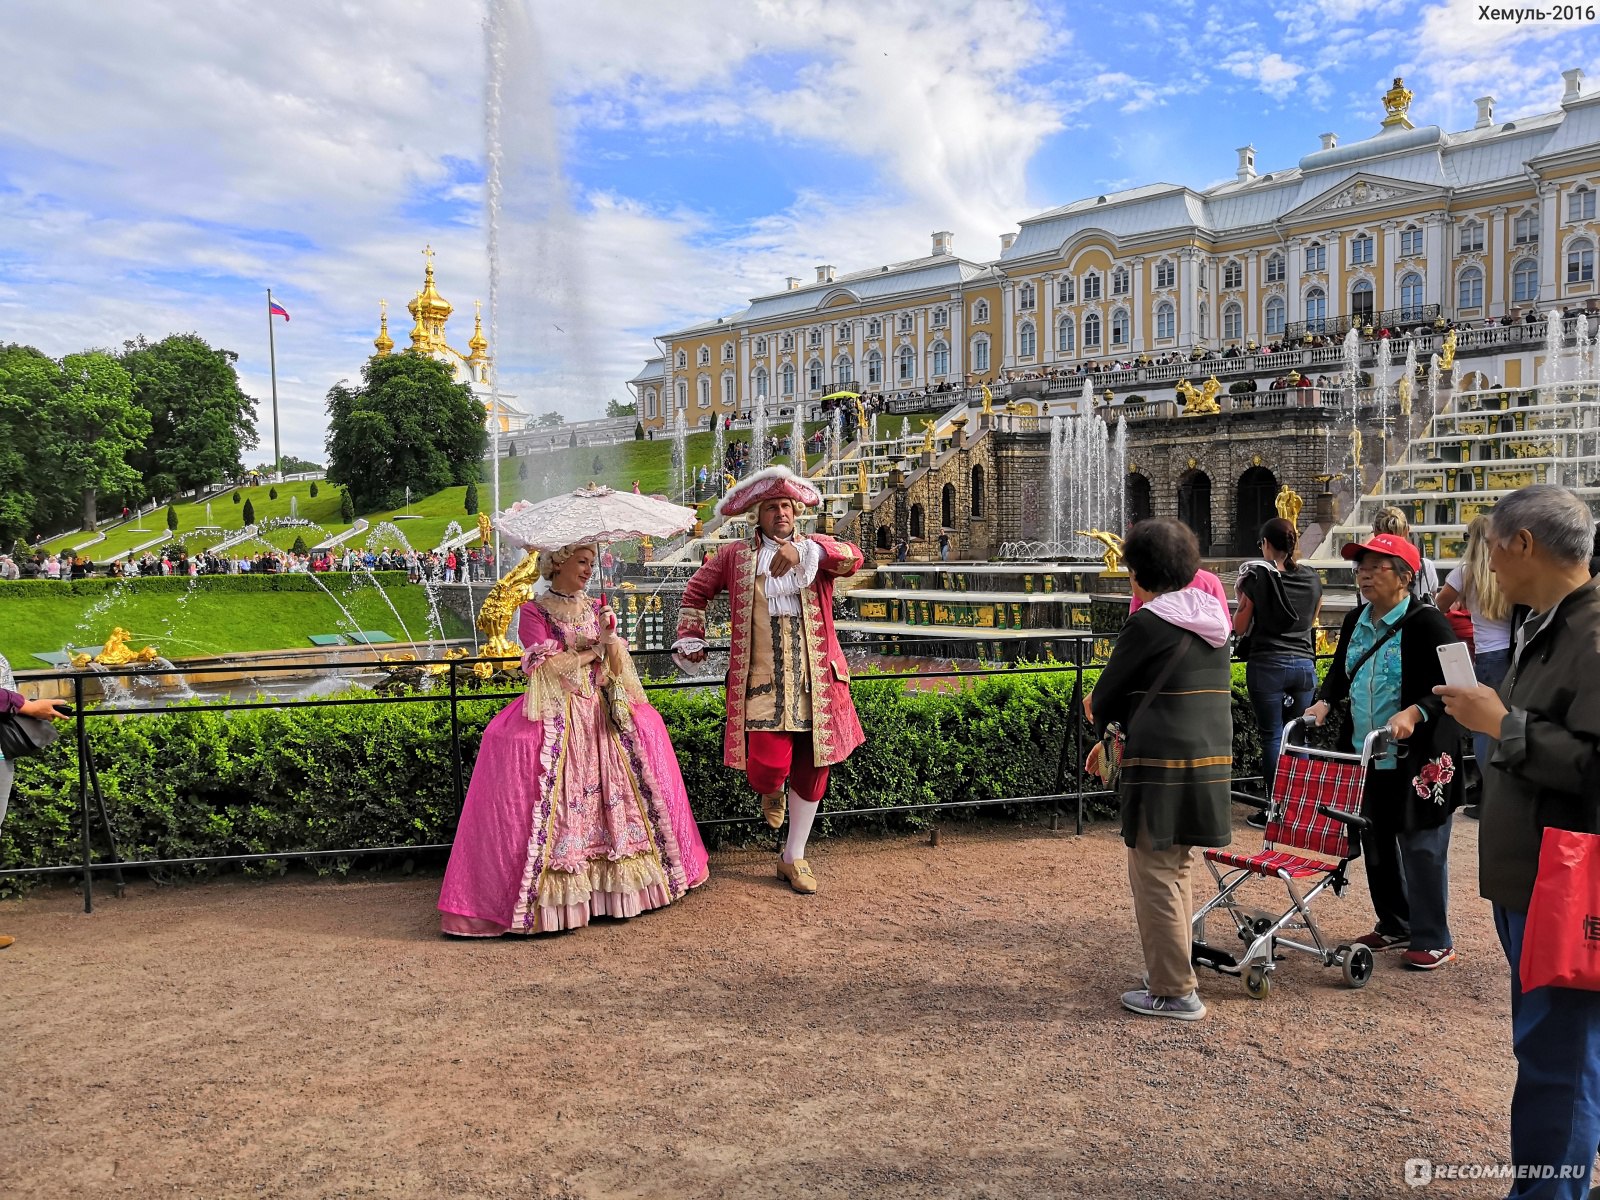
(774, 483)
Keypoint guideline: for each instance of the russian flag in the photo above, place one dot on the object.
(274, 309)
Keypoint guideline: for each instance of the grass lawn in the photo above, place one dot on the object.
(206, 622)
(525, 477)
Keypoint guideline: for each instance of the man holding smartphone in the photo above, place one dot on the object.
(16, 702)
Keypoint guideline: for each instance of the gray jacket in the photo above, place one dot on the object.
(1545, 769)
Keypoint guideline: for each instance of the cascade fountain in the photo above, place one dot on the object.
(1349, 383)
(680, 455)
(758, 434)
(718, 462)
(797, 440)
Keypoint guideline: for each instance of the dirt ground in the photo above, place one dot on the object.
(939, 1021)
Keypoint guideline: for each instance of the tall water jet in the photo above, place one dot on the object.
(718, 461)
(1409, 385)
(1349, 385)
(680, 453)
(758, 434)
(835, 440)
(797, 440)
(1552, 373)
(1057, 481)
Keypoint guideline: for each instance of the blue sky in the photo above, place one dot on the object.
(163, 163)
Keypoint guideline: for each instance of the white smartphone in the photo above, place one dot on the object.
(1456, 660)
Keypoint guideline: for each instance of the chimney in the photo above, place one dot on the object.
(1005, 241)
(1485, 112)
(1329, 140)
(941, 242)
(824, 274)
(1247, 163)
(1574, 82)
(791, 283)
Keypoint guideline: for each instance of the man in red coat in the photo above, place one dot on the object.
(790, 716)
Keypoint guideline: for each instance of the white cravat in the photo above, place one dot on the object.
(783, 591)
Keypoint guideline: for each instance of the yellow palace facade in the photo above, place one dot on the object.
(1396, 229)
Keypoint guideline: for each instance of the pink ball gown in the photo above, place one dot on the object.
(576, 807)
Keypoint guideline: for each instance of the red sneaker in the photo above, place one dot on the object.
(1376, 941)
(1429, 960)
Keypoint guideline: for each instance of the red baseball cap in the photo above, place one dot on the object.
(1385, 543)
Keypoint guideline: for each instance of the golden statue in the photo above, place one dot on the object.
(861, 478)
(485, 529)
(1200, 401)
(1447, 353)
(1356, 445)
(1289, 503)
(863, 427)
(1395, 103)
(927, 437)
(1111, 542)
(501, 605)
(988, 400)
(116, 652)
(1405, 395)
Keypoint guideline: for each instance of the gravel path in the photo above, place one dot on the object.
(940, 1021)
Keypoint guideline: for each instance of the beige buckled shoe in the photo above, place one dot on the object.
(773, 808)
(799, 875)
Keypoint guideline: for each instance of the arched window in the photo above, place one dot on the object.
(884, 536)
(1026, 298)
(683, 359)
(1525, 280)
(1091, 331)
(1194, 506)
(1232, 276)
(650, 402)
(977, 491)
(1119, 327)
(1275, 269)
(941, 359)
(1411, 296)
(947, 506)
(1091, 286)
(918, 524)
(844, 370)
(875, 327)
(1166, 320)
(788, 379)
(1119, 282)
(874, 367)
(1232, 322)
(1066, 336)
(703, 390)
(906, 364)
(1580, 205)
(1316, 311)
(727, 352)
(814, 375)
(1203, 320)
(1277, 314)
(683, 394)
(1166, 274)
(761, 382)
(1136, 498)
(980, 353)
(1361, 301)
(1580, 259)
(727, 390)
(1026, 340)
(703, 357)
(980, 312)
(1469, 289)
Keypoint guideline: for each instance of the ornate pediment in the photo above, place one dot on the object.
(1364, 192)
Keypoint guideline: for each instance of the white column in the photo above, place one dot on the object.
(958, 335)
(1252, 290)
(1047, 320)
(1549, 235)
(1188, 300)
(858, 334)
(1383, 296)
(1138, 311)
(1437, 290)
(1294, 269)
(1498, 236)
(1008, 327)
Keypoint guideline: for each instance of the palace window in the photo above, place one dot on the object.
(1525, 280)
(761, 383)
(1316, 310)
(1277, 314)
(683, 359)
(1066, 291)
(1525, 230)
(1232, 323)
(1166, 274)
(906, 364)
(703, 357)
(727, 391)
(704, 392)
(815, 338)
(1316, 257)
(1119, 327)
(980, 312)
(650, 403)
(940, 316)
(1091, 286)
(1091, 331)
(761, 347)
(1065, 336)
(1166, 321)
(1027, 298)
(1026, 340)
(1410, 242)
(1275, 268)
(980, 354)
(1580, 205)
(1360, 249)
(683, 394)
(1469, 238)
(727, 352)
(788, 379)
(786, 342)
(874, 328)
(905, 322)
(1411, 297)
(814, 375)
(941, 359)
(1119, 281)
(1469, 289)
(844, 370)
(1232, 276)
(1580, 261)
(874, 367)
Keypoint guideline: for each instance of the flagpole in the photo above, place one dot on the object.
(272, 356)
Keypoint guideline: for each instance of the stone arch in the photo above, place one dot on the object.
(1136, 500)
(1194, 505)
(919, 524)
(1253, 507)
(884, 537)
(947, 506)
(977, 491)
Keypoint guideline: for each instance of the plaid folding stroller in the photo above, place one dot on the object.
(1310, 840)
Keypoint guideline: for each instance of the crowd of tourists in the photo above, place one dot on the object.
(473, 565)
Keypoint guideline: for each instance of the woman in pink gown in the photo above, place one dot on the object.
(576, 807)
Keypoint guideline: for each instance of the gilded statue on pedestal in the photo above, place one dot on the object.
(1447, 353)
(500, 607)
(117, 652)
(1200, 401)
(1289, 503)
(1111, 542)
(927, 438)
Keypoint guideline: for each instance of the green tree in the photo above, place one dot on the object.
(409, 425)
(272, 493)
(172, 519)
(614, 409)
(201, 422)
(91, 431)
(29, 499)
(347, 510)
(300, 546)
(237, 497)
(313, 492)
(552, 420)
(472, 497)
(249, 513)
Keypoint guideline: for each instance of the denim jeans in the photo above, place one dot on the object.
(1555, 1105)
(1408, 875)
(1280, 690)
(1490, 667)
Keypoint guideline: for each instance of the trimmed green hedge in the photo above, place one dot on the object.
(274, 780)
(295, 581)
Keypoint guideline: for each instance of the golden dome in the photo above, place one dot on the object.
(429, 305)
(477, 343)
(419, 331)
(383, 341)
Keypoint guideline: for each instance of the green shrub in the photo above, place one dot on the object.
(237, 498)
(299, 546)
(272, 493)
(249, 514)
(313, 492)
(347, 510)
(472, 497)
(172, 518)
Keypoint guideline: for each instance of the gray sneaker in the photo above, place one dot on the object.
(1180, 1008)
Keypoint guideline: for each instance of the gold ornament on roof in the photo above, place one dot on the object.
(419, 331)
(1395, 102)
(1289, 503)
(383, 341)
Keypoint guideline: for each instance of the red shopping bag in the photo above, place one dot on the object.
(1561, 943)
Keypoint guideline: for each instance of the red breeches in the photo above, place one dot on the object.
(770, 758)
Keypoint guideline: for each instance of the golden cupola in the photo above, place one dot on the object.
(430, 309)
(419, 331)
(383, 341)
(478, 359)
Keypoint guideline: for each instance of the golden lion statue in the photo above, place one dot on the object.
(116, 652)
(1200, 401)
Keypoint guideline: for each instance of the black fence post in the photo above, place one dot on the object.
(455, 741)
(83, 790)
(1077, 738)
